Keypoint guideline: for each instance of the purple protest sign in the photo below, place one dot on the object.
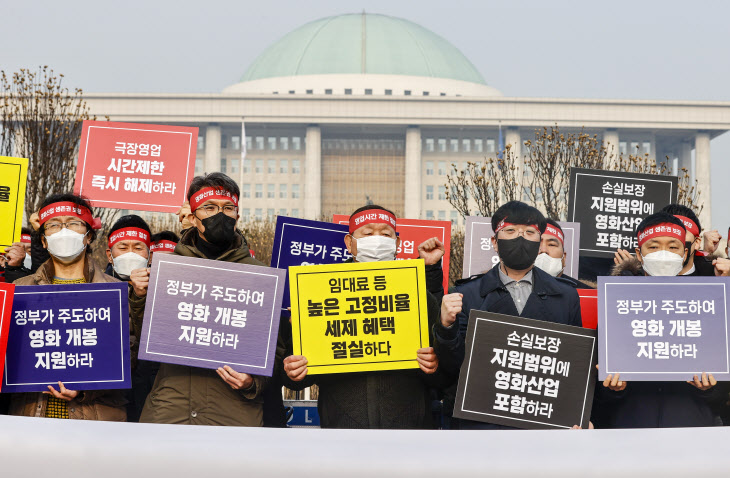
(77, 334)
(208, 314)
(479, 256)
(663, 328)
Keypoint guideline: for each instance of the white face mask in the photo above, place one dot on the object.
(66, 245)
(551, 265)
(127, 262)
(663, 264)
(27, 262)
(375, 248)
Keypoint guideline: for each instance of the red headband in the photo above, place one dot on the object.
(163, 246)
(504, 224)
(129, 234)
(207, 194)
(664, 229)
(554, 231)
(689, 224)
(25, 238)
(68, 208)
(371, 216)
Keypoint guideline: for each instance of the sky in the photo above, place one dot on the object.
(575, 49)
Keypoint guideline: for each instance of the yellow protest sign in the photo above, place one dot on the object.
(359, 317)
(13, 176)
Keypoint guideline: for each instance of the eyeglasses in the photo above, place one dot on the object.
(76, 226)
(528, 233)
(211, 210)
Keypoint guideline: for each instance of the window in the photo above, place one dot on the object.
(442, 192)
(259, 142)
(246, 165)
(259, 166)
(270, 191)
(283, 166)
(234, 166)
(246, 191)
(282, 191)
(271, 166)
(291, 92)
(429, 168)
(295, 212)
(491, 146)
(272, 143)
(466, 145)
(245, 214)
(201, 143)
(236, 142)
(295, 166)
(223, 166)
(429, 214)
(295, 191)
(198, 165)
(309, 92)
(429, 145)
(634, 149)
(368, 91)
(282, 212)
(328, 91)
(454, 145)
(259, 190)
(284, 143)
(258, 213)
(407, 92)
(442, 168)
(248, 143)
(296, 143)
(429, 192)
(425, 93)
(441, 145)
(622, 147)
(388, 92)
(454, 218)
(646, 147)
(478, 145)
(270, 212)
(348, 91)
(442, 215)
(442, 94)
(224, 141)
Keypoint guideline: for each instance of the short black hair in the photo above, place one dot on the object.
(681, 210)
(213, 180)
(371, 206)
(165, 236)
(518, 212)
(658, 218)
(555, 225)
(130, 220)
(76, 199)
(25, 230)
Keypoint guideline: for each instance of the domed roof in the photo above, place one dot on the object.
(363, 44)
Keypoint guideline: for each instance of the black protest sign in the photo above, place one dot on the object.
(526, 373)
(609, 205)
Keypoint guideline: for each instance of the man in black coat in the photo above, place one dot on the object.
(513, 287)
(551, 258)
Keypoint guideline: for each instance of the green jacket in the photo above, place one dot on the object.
(198, 396)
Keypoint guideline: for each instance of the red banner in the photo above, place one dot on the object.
(6, 314)
(142, 167)
(589, 307)
(412, 233)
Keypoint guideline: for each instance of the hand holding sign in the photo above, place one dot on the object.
(140, 279)
(621, 256)
(295, 367)
(427, 360)
(450, 307)
(63, 393)
(431, 251)
(706, 382)
(237, 381)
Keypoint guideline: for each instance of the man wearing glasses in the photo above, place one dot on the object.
(191, 395)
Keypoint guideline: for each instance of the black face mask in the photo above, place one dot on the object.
(219, 229)
(518, 253)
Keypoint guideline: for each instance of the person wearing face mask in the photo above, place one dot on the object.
(662, 252)
(128, 246)
(551, 257)
(67, 230)
(514, 287)
(164, 242)
(191, 395)
(388, 399)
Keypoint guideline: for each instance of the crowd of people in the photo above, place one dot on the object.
(527, 282)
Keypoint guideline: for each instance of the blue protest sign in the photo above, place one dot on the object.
(301, 242)
(77, 334)
(663, 328)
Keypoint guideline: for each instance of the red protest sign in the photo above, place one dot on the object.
(589, 307)
(143, 167)
(412, 233)
(6, 312)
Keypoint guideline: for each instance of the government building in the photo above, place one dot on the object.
(367, 107)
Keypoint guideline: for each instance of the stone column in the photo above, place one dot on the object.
(313, 173)
(413, 174)
(685, 158)
(212, 161)
(610, 142)
(702, 174)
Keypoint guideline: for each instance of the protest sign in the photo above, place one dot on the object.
(76, 333)
(13, 178)
(480, 256)
(526, 373)
(588, 307)
(609, 205)
(209, 314)
(663, 328)
(6, 308)
(412, 233)
(301, 242)
(359, 317)
(144, 167)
